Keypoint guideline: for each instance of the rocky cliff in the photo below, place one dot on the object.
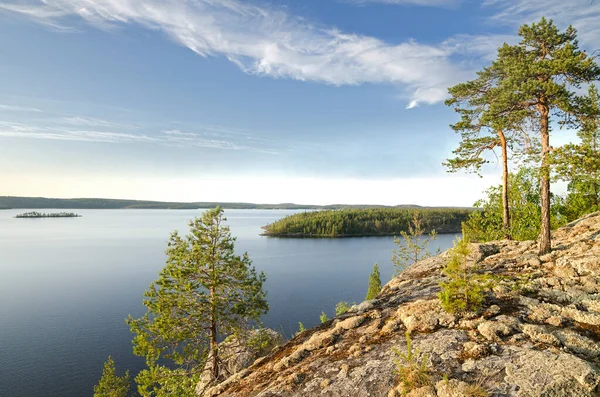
(538, 334)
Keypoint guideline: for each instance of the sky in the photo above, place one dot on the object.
(266, 101)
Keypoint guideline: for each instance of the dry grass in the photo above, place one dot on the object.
(412, 371)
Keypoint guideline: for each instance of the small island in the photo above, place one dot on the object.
(366, 222)
(36, 214)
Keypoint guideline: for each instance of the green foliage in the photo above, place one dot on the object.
(365, 222)
(324, 317)
(111, 385)
(260, 340)
(579, 164)
(486, 123)
(161, 381)
(205, 292)
(413, 246)
(412, 371)
(301, 328)
(374, 283)
(524, 202)
(465, 289)
(342, 307)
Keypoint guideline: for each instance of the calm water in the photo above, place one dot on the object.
(66, 286)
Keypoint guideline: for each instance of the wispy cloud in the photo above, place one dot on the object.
(269, 41)
(212, 137)
(28, 131)
(582, 14)
(210, 140)
(13, 108)
(91, 122)
(424, 3)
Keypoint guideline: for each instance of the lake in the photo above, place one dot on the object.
(67, 285)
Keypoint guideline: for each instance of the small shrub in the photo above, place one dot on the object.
(374, 283)
(465, 291)
(412, 247)
(342, 307)
(412, 372)
(301, 329)
(323, 317)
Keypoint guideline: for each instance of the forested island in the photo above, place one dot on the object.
(100, 203)
(366, 222)
(36, 214)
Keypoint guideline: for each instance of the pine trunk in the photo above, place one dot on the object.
(214, 346)
(505, 208)
(545, 242)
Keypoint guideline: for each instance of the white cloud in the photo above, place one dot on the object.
(269, 42)
(582, 14)
(26, 131)
(424, 3)
(89, 122)
(212, 137)
(13, 108)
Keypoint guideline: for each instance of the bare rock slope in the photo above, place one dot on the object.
(538, 335)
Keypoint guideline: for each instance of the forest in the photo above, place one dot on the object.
(366, 222)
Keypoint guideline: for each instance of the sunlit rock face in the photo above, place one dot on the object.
(537, 335)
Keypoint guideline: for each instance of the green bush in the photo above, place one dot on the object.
(342, 307)
(465, 289)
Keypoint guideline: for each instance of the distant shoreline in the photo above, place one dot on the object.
(33, 203)
(38, 215)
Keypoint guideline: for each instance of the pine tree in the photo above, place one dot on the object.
(579, 164)
(374, 283)
(540, 75)
(464, 291)
(205, 292)
(413, 246)
(486, 124)
(111, 385)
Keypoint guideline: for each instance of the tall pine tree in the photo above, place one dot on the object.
(486, 124)
(540, 74)
(205, 292)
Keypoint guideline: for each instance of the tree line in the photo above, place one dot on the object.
(365, 222)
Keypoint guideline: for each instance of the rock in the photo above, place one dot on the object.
(424, 315)
(486, 250)
(493, 330)
(538, 339)
(452, 388)
(363, 307)
(238, 353)
(426, 391)
(540, 373)
(350, 323)
(540, 334)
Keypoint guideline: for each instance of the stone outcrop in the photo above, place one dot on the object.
(538, 334)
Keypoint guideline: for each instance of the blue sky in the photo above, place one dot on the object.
(311, 101)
